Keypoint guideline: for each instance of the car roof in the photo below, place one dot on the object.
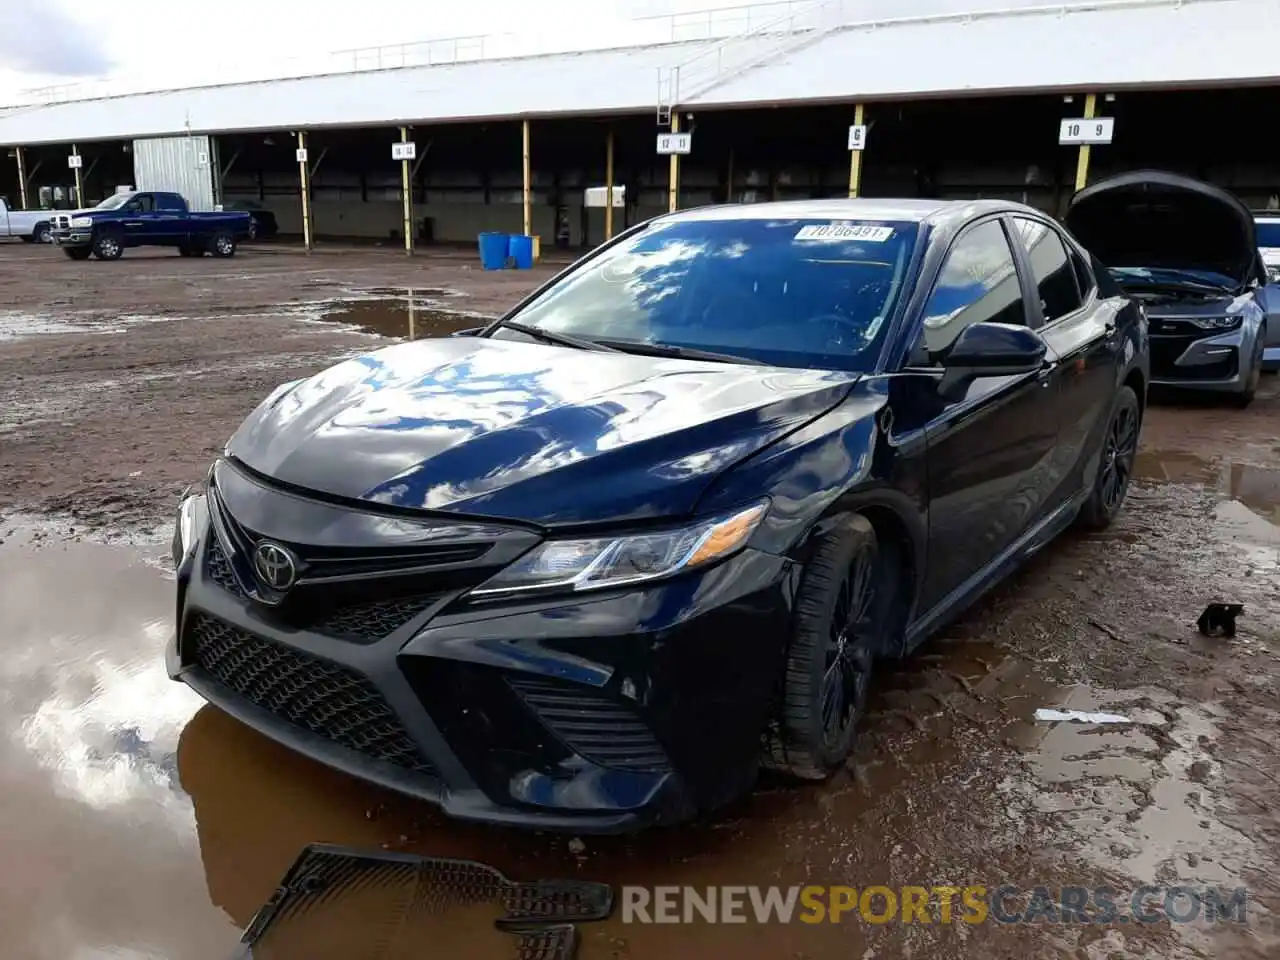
(933, 212)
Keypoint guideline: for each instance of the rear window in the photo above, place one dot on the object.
(790, 292)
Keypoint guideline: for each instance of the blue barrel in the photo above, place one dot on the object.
(521, 251)
(493, 251)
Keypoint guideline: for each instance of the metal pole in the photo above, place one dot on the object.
(79, 182)
(608, 183)
(407, 189)
(673, 177)
(1082, 164)
(306, 192)
(528, 182)
(855, 156)
(22, 178)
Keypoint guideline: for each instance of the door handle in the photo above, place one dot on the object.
(1045, 376)
(133, 223)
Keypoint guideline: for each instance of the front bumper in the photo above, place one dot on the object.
(71, 238)
(1202, 361)
(590, 714)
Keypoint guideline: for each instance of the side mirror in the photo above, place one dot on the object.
(990, 350)
(469, 332)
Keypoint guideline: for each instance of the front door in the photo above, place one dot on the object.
(990, 453)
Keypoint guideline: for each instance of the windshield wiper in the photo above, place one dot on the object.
(667, 350)
(559, 339)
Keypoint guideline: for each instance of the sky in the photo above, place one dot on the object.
(159, 44)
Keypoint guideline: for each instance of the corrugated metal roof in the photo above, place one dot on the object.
(1112, 46)
(1108, 45)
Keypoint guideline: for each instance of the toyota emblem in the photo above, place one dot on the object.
(274, 566)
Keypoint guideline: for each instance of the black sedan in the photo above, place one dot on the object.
(262, 222)
(595, 565)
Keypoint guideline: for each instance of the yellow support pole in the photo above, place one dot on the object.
(22, 178)
(305, 177)
(673, 177)
(1082, 164)
(407, 190)
(528, 182)
(608, 186)
(855, 156)
(79, 183)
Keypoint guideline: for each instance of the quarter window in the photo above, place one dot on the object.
(1051, 268)
(978, 283)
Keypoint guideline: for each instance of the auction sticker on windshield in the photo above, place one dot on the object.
(844, 231)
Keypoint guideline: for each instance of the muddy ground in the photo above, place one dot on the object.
(136, 822)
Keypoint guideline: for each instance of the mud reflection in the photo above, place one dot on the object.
(97, 837)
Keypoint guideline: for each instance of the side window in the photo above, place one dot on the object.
(1051, 267)
(144, 203)
(168, 201)
(978, 283)
(1084, 276)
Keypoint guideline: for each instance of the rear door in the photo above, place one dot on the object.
(989, 453)
(1082, 330)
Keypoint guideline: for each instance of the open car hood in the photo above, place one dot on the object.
(1151, 218)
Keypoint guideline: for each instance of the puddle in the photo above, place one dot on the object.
(403, 318)
(20, 326)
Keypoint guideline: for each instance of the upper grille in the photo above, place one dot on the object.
(591, 724)
(366, 621)
(317, 695)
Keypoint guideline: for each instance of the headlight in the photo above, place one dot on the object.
(192, 511)
(1215, 323)
(82, 221)
(599, 562)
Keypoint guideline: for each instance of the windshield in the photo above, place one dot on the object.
(1167, 276)
(1268, 233)
(796, 293)
(114, 201)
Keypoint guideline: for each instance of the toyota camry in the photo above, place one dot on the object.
(597, 564)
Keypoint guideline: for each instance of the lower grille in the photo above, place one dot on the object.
(1165, 352)
(591, 724)
(317, 695)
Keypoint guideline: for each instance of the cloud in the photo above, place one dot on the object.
(39, 36)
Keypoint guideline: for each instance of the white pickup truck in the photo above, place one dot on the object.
(30, 226)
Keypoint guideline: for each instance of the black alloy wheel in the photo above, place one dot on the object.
(1119, 450)
(839, 628)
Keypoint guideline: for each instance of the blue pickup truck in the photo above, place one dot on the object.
(152, 219)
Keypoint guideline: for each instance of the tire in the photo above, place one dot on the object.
(222, 245)
(77, 253)
(40, 233)
(253, 230)
(830, 653)
(1242, 400)
(1115, 467)
(108, 246)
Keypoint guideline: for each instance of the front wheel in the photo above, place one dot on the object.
(41, 233)
(1119, 450)
(223, 245)
(107, 246)
(839, 628)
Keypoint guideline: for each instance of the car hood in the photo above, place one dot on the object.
(1150, 218)
(507, 429)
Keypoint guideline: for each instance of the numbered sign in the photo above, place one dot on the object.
(202, 159)
(404, 151)
(1076, 131)
(669, 143)
(858, 136)
(301, 154)
(74, 162)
